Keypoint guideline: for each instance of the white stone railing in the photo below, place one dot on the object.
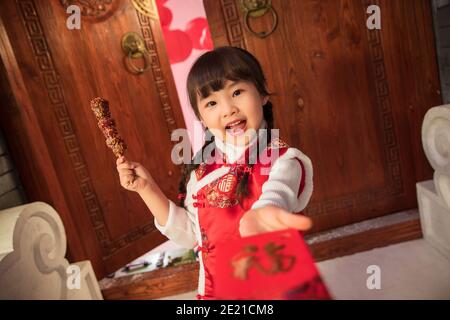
(434, 195)
(32, 257)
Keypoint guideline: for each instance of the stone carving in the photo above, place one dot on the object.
(35, 266)
(436, 144)
(434, 195)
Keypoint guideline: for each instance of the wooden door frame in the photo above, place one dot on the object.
(38, 165)
(36, 162)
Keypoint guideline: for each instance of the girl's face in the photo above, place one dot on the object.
(231, 114)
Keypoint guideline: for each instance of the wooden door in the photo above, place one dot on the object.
(50, 75)
(351, 98)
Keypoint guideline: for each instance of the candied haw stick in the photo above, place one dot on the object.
(114, 141)
(100, 107)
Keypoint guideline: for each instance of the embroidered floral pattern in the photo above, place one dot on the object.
(200, 171)
(227, 183)
(277, 143)
(206, 246)
(220, 193)
(217, 198)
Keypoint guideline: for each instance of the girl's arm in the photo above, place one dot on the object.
(287, 190)
(174, 222)
(134, 177)
(156, 202)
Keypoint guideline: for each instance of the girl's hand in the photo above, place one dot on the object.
(271, 218)
(133, 176)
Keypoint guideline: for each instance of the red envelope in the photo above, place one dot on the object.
(274, 265)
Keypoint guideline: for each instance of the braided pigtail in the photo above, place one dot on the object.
(189, 167)
(242, 187)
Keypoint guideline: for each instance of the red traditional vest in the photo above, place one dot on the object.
(219, 211)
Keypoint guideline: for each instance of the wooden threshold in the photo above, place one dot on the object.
(365, 235)
(358, 237)
(152, 285)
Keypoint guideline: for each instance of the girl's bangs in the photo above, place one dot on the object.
(213, 76)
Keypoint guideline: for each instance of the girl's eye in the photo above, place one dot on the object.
(237, 91)
(210, 104)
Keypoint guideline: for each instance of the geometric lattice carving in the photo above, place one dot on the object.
(233, 24)
(158, 75)
(94, 10)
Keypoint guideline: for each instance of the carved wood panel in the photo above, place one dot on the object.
(291, 50)
(63, 70)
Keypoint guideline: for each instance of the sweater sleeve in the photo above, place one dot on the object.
(290, 183)
(181, 223)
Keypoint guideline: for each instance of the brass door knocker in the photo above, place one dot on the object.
(134, 47)
(256, 9)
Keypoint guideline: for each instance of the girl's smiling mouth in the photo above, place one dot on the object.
(236, 128)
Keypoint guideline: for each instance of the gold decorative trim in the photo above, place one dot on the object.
(147, 8)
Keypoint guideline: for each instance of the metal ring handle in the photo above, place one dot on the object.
(133, 45)
(132, 67)
(261, 34)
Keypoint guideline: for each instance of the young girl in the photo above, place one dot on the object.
(224, 195)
